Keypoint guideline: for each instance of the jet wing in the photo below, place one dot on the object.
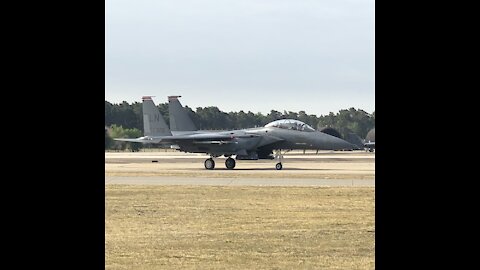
(201, 136)
(369, 144)
(140, 140)
(206, 138)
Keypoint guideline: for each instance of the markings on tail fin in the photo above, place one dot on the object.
(153, 122)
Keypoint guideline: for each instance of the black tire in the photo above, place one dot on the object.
(209, 164)
(230, 163)
(278, 166)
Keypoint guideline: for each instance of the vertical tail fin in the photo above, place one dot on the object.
(179, 119)
(153, 122)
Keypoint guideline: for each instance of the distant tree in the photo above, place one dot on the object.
(213, 118)
(130, 116)
(261, 119)
(329, 120)
(108, 140)
(274, 115)
(108, 113)
(124, 115)
(120, 132)
(311, 119)
(290, 115)
(241, 120)
(137, 109)
(348, 121)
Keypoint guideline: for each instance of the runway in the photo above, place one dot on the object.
(113, 156)
(283, 182)
(327, 168)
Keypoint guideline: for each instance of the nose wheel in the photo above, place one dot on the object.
(278, 166)
(279, 157)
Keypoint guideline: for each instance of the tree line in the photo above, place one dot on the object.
(126, 120)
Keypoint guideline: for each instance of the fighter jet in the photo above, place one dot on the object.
(368, 143)
(245, 144)
(370, 140)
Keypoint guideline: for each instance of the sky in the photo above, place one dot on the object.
(250, 55)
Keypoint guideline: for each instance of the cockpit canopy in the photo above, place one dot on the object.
(290, 124)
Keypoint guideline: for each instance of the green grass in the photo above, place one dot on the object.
(183, 227)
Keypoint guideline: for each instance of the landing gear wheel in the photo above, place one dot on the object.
(230, 163)
(278, 166)
(209, 164)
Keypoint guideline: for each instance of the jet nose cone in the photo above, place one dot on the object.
(325, 141)
(340, 144)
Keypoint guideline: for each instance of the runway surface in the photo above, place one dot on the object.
(159, 180)
(326, 168)
(113, 156)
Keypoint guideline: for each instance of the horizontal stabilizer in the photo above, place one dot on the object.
(217, 142)
(139, 140)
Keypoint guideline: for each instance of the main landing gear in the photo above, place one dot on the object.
(210, 164)
(230, 163)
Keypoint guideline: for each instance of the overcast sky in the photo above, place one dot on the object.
(251, 55)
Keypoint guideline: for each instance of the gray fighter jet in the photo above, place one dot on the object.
(245, 144)
(370, 140)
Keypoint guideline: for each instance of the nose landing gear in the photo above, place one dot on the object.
(278, 166)
(279, 157)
